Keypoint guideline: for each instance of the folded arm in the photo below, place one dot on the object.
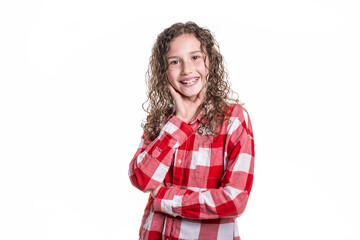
(231, 197)
(152, 160)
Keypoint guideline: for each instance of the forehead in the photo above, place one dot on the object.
(185, 43)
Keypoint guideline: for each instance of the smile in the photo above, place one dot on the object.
(189, 82)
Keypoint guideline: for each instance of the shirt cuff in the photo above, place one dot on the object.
(179, 130)
(164, 201)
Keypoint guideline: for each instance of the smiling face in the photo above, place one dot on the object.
(187, 71)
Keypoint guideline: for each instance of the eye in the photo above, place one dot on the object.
(196, 57)
(174, 62)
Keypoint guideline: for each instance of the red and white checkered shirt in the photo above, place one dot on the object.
(207, 179)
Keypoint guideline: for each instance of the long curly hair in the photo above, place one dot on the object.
(160, 101)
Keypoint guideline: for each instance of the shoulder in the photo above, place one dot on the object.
(238, 118)
(238, 111)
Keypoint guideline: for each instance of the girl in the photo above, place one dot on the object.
(196, 156)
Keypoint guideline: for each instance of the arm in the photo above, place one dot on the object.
(152, 160)
(229, 200)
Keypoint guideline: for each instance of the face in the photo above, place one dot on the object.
(187, 70)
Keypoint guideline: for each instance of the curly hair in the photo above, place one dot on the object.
(161, 104)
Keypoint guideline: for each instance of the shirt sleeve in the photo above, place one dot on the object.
(152, 160)
(230, 199)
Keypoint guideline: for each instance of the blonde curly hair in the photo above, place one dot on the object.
(160, 102)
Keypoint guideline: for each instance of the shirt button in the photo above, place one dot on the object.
(156, 153)
(179, 161)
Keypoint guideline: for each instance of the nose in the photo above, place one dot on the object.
(187, 67)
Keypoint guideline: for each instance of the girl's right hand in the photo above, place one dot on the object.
(185, 109)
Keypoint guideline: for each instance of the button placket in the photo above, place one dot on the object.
(179, 162)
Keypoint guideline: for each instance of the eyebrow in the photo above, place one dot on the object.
(196, 51)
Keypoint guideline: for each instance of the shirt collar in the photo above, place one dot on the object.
(198, 118)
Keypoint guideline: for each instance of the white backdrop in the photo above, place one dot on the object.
(72, 84)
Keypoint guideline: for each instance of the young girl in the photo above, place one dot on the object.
(196, 156)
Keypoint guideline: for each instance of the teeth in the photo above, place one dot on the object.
(190, 81)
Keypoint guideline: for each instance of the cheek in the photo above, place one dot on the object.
(173, 73)
(171, 78)
(202, 68)
(169, 75)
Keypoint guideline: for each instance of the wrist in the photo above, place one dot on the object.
(155, 191)
(182, 118)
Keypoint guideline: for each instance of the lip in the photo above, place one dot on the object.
(189, 79)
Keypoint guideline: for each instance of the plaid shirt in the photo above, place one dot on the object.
(207, 179)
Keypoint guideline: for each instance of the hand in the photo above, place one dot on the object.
(185, 109)
(154, 192)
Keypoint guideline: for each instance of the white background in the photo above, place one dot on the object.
(73, 81)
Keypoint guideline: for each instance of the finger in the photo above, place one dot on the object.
(200, 97)
(176, 96)
(172, 90)
(201, 94)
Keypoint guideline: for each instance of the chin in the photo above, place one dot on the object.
(193, 94)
